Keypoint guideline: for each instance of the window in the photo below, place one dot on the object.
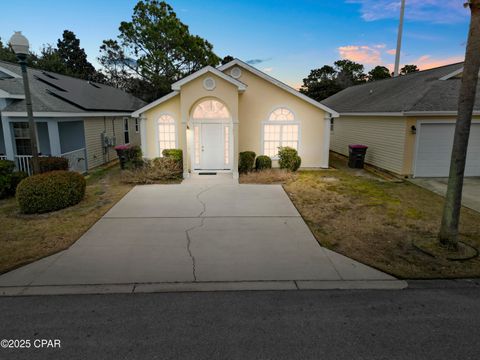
(126, 135)
(137, 126)
(211, 109)
(166, 133)
(226, 145)
(21, 133)
(280, 130)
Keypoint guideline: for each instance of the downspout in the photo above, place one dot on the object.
(326, 140)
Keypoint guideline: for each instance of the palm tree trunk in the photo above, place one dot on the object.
(448, 235)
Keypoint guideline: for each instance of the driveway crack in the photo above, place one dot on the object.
(189, 250)
(200, 200)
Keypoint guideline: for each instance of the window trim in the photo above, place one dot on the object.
(280, 123)
(157, 139)
(127, 131)
(137, 125)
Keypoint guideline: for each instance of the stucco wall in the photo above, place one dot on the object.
(255, 106)
(113, 127)
(384, 136)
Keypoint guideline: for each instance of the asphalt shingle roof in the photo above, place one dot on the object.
(53, 92)
(416, 92)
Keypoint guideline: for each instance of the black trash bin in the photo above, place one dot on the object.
(356, 156)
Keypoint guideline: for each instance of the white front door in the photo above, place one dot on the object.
(212, 148)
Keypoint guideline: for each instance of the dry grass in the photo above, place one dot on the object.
(25, 238)
(158, 171)
(269, 176)
(373, 220)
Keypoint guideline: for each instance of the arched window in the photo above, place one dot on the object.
(167, 135)
(281, 129)
(211, 109)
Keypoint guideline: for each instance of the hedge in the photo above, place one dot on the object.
(9, 179)
(52, 163)
(288, 158)
(50, 191)
(246, 161)
(263, 162)
(175, 154)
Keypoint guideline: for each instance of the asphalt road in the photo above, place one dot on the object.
(426, 321)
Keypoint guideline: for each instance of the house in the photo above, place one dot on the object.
(76, 119)
(407, 122)
(215, 113)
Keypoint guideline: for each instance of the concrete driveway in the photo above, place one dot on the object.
(196, 236)
(470, 194)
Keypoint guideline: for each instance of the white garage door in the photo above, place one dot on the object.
(435, 149)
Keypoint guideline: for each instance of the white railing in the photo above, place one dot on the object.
(76, 160)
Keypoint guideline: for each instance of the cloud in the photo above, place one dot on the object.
(267, 69)
(361, 53)
(436, 11)
(425, 62)
(257, 61)
(391, 51)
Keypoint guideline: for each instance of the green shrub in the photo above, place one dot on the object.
(52, 163)
(6, 167)
(9, 179)
(133, 157)
(246, 161)
(175, 154)
(50, 191)
(263, 162)
(289, 159)
(158, 170)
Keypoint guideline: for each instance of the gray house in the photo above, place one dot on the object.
(76, 119)
(407, 122)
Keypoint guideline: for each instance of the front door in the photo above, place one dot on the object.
(212, 149)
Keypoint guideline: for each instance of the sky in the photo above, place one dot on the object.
(285, 39)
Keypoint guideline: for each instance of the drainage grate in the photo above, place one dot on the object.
(207, 173)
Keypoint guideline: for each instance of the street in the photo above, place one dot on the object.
(430, 320)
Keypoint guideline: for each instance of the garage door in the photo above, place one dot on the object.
(435, 149)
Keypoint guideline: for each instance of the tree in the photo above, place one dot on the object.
(6, 54)
(227, 59)
(448, 234)
(378, 73)
(321, 83)
(408, 69)
(74, 57)
(50, 60)
(155, 48)
(349, 73)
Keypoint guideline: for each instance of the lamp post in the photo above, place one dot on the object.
(20, 45)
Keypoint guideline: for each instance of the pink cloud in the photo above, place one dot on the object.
(426, 62)
(361, 53)
(391, 52)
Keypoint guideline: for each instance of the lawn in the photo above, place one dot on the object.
(25, 238)
(372, 219)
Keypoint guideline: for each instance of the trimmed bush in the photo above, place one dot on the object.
(9, 179)
(175, 154)
(246, 161)
(6, 167)
(50, 191)
(52, 163)
(263, 162)
(289, 159)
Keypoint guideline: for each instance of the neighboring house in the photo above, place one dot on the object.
(407, 122)
(76, 119)
(214, 114)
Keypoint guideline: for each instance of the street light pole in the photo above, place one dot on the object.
(399, 39)
(19, 44)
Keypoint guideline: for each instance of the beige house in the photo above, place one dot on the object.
(215, 113)
(76, 119)
(407, 122)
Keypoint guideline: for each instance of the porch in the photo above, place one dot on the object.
(55, 137)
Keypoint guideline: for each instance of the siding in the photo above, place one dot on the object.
(384, 136)
(113, 127)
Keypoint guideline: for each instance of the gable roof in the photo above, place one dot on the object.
(208, 69)
(155, 103)
(279, 84)
(53, 93)
(429, 91)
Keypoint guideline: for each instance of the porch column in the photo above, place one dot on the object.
(54, 137)
(184, 147)
(143, 135)
(235, 149)
(7, 138)
(326, 140)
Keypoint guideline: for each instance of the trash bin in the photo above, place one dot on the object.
(356, 156)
